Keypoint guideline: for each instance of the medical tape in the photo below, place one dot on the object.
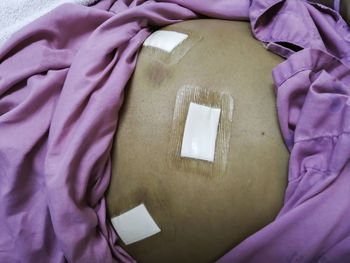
(199, 138)
(165, 40)
(135, 225)
(201, 129)
(168, 46)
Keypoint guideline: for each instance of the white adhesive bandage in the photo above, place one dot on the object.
(165, 40)
(135, 225)
(200, 132)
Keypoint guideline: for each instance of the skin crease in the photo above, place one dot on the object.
(201, 217)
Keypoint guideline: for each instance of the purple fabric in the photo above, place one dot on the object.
(337, 5)
(303, 24)
(61, 87)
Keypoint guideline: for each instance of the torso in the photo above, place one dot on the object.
(201, 217)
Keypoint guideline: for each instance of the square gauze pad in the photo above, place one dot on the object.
(200, 132)
(165, 40)
(135, 225)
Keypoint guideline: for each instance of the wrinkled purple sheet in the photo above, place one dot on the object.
(61, 87)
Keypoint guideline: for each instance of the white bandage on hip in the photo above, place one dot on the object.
(135, 225)
(165, 40)
(200, 132)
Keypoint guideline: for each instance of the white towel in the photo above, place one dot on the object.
(15, 14)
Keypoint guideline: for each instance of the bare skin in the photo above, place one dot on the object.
(201, 217)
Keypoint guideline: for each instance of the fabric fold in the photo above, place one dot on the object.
(289, 26)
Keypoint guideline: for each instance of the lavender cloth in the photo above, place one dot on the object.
(61, 87)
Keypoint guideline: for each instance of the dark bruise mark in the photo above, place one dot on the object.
(262, 133)
(157, 73)
(154, 198)
(141, 195)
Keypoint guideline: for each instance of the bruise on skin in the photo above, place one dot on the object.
(157, 73)
(141, 195)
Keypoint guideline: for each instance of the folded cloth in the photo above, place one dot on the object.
(15, 14)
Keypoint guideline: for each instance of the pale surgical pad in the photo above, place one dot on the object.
(165, 40)
(169, 47)
(135, 225)
(200, 135)
(200, 132)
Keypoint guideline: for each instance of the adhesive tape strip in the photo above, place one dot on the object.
(169, 47)
(165, 40)
(135, 225)
(200, 132)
